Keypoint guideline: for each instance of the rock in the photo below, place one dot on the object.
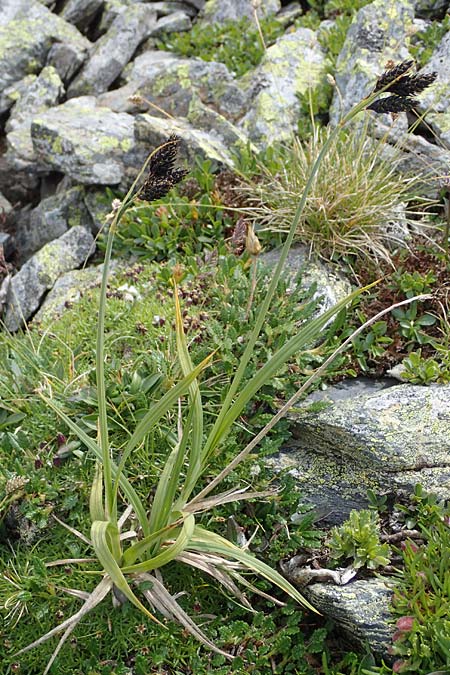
(431, 9)
(113, 51)
(80, 12)
(39, 274)
(171, 82)
(348, 389)
(177, 22)
(331, 286)
(99, 206)
(386, 441)
(361, 610)
(219, 11)
(5, 208)
(49, 220)
(43, 93)
(68, 289)
(151, 131)
(413, 155)
(66, 59)
(6, 245)
(290, 68)
(12, 93)
(436, 98)
(27, 32)
(377, 34)
(166, 7)
(92, 145)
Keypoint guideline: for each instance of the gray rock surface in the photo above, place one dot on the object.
(331, 286)
(39, 274)
(92, 145)
(43, 93)
(66, 59)
(360, 608)
(113, 50)
(80, 12)
(385, 441)
(378, 33)
(171, 82)
(290, 68)
(151, 131)
(27, 32)
(436, 99)
(218, 11)
(68, 289)
(172, 23)
(49, 220)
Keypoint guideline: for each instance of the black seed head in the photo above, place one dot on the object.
(392, 104)
(162, 175)
(392, 73)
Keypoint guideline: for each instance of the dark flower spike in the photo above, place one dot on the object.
(391, 74)
(392, 104)
(402, 85)
(162, 176)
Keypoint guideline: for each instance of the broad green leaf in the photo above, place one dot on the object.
(168, 553)
(99, 536)
(96, 508)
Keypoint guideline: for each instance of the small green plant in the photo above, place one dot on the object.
(421, 600)
(372, 345)
(425, 41)
(358, 541)
(411, 325)
(237, 44)
(421, 370)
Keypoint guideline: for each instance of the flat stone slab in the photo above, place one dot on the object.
(386, 441)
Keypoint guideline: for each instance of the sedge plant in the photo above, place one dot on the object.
(132, 539)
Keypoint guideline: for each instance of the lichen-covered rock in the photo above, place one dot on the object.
(27, 32)
(431, 9)
(92, 145)
(39, 274)
(385, 441)
(68, 289)
(98, 206)
(378, 33)
(290, 68)
(49, 220)
(66, 59)
(12, 93)
(113, 50)
(218, 11)
(436, 98)
(360, 608)
(170, 82)
(331, 285)
(413, 155)
(166, 7)
(43, 93)
(172, 23)
(80, 12)
(151, 131)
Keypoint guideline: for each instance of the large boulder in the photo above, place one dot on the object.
(113, 50)
(386, 441)
(435, 101)
(39, 274)
(378, 33)
(92, 145)
(27, 32)
(290, 68)
(42, 93)
(218, 11)
(50, 219)
(171, 82)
